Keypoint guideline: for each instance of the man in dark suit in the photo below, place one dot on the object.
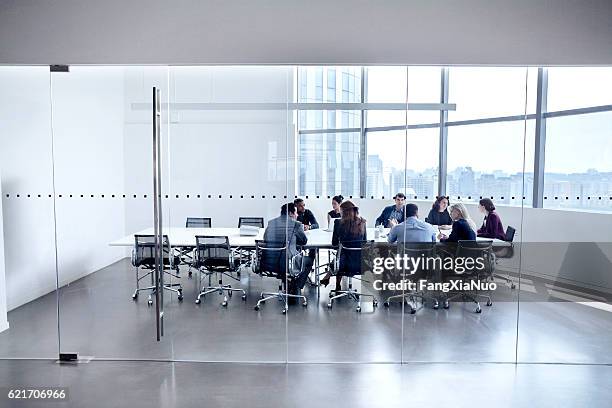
(287, 231)
(393, 214)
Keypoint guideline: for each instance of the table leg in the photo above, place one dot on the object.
(317, 273)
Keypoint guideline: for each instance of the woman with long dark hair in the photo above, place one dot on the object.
(491, 226)
(335, 212)
(438, 215)
(350, 227)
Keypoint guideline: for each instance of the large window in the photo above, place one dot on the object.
(487, 160)
(492, 137)
(403, 161)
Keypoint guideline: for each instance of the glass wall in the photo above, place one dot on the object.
(76, 155)
(27, 228)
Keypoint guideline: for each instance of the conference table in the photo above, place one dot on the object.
(182, 237)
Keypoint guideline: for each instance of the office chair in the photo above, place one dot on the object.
(506, 252)
(213, 256)
(474, 249)
(193, 222)
(245, 255)
(270, 260)
(252, 221)
(415, 250)
(349, 260)
(143, 256)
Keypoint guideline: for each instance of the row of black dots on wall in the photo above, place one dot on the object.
(242, 196)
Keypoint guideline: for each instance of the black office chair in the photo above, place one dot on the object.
(349, 262)
(193, 222)
(251, 221)
(506, 252)
(474, 249)
(245, 255)
(143, 256)
(213, 256)
(270, 260)
(415, 250)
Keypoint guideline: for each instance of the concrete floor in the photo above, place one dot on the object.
(167, 384)
(98, 318)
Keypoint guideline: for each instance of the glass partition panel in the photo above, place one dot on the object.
(27, 230)
(102, 134)
(566, 285)
(344, 321)
(463, 302)
(231, 164)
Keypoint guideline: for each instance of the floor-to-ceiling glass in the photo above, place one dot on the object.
(231, 154)
(28, 302)
(103, 165)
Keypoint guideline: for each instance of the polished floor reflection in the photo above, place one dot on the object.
(98, 318)
(166, 384)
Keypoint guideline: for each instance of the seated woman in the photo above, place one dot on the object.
(463, 226)
(351, 227)
(491, 226)
(438, 215)
(335, 212)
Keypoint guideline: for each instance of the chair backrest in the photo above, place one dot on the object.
(193, 222)
(144, 250)
(353, 256)
(510, 231)
(252, 221)
(476, 249)
(270, 259)
(416, 250)
(213, 253)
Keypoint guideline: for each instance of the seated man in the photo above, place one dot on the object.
(393, 214)
(286, 230)
(304, 215)
(413, 229)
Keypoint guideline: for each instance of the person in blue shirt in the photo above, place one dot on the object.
(413, 229)
(393, 214)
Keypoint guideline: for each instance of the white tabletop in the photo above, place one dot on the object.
(185, 237)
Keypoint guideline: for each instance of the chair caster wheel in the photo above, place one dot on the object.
(180, 298)
(513, 286)
(197, 301)
(446, 305)
(149, 302)
(329, 305)
(478, 310)
(256, 307)
(190, 274)
(224, 303)
(244, 297)
(284, 311)
(375, 303)
(386, 304)
(436, 306)
(412, 310)
(358, 309)
(489, 303)
(135, 296)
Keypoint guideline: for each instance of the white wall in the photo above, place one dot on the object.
(25, 161)
(526, 32)
(88, 147)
